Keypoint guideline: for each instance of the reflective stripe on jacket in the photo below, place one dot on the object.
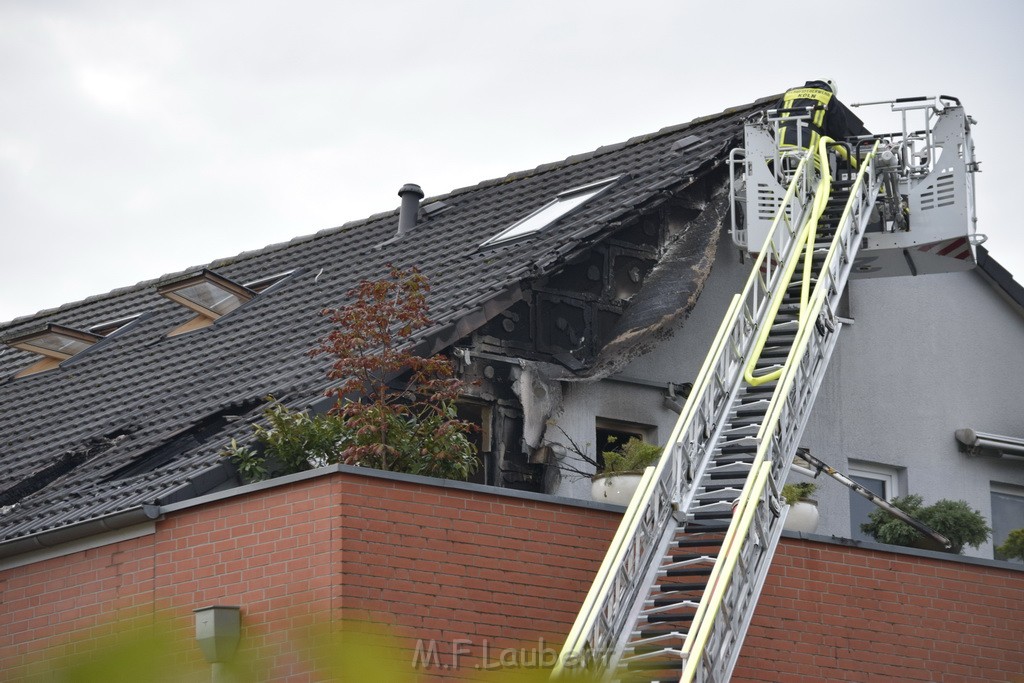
(811, 132)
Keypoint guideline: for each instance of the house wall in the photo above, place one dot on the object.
(456, 566)
(925, 356)
(676, 360)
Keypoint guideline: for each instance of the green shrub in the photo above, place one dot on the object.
(954, 519)
(794, 493)
(1013, 547)
(633, 456)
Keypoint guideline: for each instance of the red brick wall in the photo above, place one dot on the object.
(83, 593)
(448, 565)
(453, 565)
(426, 561)
(833, 613)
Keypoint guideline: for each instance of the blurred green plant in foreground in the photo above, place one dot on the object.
(158, 649)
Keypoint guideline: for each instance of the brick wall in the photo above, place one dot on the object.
(835, 613)
(452, 569)
(461, 568)
(445, 565)
(83, 593)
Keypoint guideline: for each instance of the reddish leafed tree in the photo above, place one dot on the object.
(398, 406)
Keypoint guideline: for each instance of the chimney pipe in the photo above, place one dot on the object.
(411, 195)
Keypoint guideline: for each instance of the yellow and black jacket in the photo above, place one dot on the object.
(830, 117)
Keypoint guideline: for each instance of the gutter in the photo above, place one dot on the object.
(45, 540)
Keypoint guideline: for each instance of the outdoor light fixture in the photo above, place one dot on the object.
(208, 294)
(218, 630)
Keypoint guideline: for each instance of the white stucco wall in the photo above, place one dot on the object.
(924, 357)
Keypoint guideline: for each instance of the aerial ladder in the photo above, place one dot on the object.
(677, 589)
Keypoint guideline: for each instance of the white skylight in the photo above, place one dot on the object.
(559, 207)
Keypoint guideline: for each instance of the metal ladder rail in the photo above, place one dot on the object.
(713, 642)
(654, 647)
(612, 603)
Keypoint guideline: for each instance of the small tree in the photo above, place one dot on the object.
(395, 408)
(398, 405)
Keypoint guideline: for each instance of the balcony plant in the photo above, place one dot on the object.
(1013, 547)
(954, 519)
(803, 510)
(623, 467)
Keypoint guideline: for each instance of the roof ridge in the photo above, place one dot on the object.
(604, 149)
(348, 225)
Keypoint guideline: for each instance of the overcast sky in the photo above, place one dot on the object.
(142, 138)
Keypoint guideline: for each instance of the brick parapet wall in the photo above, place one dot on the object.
(464, 565)
(830, 612)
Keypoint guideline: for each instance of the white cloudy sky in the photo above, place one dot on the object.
(141, 138)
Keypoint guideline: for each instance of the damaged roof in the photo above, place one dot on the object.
(139, 417)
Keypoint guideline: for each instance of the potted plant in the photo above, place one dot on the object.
(954, 519)
(803, 510)
(623, 468)
(1013, 547)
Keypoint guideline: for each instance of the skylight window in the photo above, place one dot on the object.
(558, 208)
(265, 283)
(210, 295)
(55, 343)
(108, 328)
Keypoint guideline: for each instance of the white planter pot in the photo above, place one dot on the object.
(616, 488)
(802, 517)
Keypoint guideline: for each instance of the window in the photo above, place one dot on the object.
(559, 207)
(1007, 513)
(613, 433)
(881, 480)
(210, 295)
(265, 283)
(55, 343)
(108, 328)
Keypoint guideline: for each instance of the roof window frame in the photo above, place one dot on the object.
(171, 290)
(24, 341)
(573, 198)
(49, 358)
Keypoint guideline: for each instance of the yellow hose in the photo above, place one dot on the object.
(807, 236)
